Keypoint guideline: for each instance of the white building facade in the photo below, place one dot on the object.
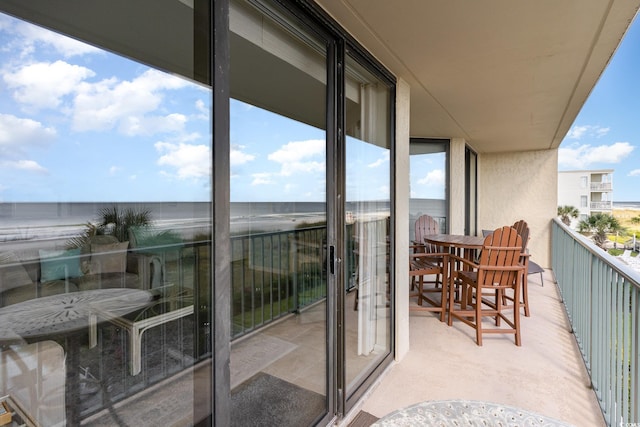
(589, 191)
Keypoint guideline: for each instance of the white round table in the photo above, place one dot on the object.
(468, 413)
(66, 315)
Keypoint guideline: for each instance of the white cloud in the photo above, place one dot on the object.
(66, 46)
(126, 105)
(189, 161)
(581, 156)
(113, 170)
(144, 125)
(43, 84)
(434, 178)
(297, 156)
(205, 112)
(25, 165)
(381, 161)
(577, 132)
(17, 135)
(635, 172)
(31, 37)
(238, 157)
(261, 178)
(30, 165)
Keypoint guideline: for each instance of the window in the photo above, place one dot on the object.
(428, 181)
(583, 201)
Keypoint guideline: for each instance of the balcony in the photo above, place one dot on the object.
(601, 186)
(588, 378)
(601, 206)
(546, 375)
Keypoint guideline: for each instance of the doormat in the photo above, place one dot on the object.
(265, 400)
(252, 355)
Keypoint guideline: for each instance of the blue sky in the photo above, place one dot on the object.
(78, 124)
(81, 124)
(606, 133)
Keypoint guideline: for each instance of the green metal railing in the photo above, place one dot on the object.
(602, 299)
(274, 274)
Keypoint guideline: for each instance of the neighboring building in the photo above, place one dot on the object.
(295, 123)
(589, 191)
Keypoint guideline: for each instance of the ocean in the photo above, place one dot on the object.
(57, 222)
(626, 205)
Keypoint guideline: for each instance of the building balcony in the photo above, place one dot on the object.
(601, 186)
(578, 362)
(601, 206)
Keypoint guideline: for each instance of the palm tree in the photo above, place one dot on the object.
(599, 225)
(117, 223)
(567, 212)
(112, 222)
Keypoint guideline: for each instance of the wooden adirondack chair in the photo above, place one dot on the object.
(484, 284)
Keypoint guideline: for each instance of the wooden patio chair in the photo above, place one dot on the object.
(484, 283)
(420, 265)
(522, 228)
(531, 266)
(424, 226)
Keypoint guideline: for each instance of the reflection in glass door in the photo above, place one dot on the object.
(105, 229)
(278, 220)
(367, 310)
(427, 181)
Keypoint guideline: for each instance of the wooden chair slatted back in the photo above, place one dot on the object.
(424, 226)
(502, 248)
(523, 230)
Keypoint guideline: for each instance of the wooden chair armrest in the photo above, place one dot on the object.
(462, 260)
(442, 255)
(501, 268)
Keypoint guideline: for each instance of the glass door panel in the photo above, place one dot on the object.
(105, 229)
(368, 182)
(278, 220)
(427, 181)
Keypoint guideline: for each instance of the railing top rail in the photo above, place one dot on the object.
(269, 233)
(625, 271)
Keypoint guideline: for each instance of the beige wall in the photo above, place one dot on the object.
(456, 186)
(403, 96)
(522, 185)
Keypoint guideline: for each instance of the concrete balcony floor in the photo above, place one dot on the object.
(546, 375)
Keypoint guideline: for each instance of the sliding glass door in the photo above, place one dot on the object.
(205, 267)
(310, 215)
(279, 250)
(105, 212)
(367, 310)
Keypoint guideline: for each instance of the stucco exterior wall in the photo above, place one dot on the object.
(456, 186)
(522, 185)
(403, 97)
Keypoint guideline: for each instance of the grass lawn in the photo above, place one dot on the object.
(624, 217)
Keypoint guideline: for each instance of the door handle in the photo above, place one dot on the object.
(332, 259)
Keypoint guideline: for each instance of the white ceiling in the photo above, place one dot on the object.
(503, 74)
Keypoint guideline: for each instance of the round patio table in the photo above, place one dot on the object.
(455, 241)
(445, 413)
(66, 315)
